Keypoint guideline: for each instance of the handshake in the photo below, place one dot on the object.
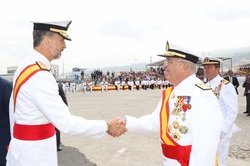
(116, 127)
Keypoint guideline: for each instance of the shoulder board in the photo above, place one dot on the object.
(224, 81)
(203, 86)
(42, 65)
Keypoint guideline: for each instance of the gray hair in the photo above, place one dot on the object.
(38, 36)
(192, 67)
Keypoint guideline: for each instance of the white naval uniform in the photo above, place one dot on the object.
(38, 102)
(203, 121)
(229, 108)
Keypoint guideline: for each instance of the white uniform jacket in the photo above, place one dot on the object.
(203, 121)
(38, 102)
(228, 100)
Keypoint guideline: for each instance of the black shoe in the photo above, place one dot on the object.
(59, 149)
(245, 112)
(248, 115)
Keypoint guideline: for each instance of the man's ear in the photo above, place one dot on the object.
(183, 65)
(47, 41)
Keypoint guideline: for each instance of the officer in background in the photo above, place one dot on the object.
(233, 80)
(246, 85)
(187, 117)
(58, 133)
(36, 108)
(226, 94)
(5, 92)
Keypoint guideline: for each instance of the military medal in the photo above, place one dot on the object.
(183, 129)
(176, 136)
(176, 124)
(175, 110)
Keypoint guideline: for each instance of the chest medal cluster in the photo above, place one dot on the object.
(181, 105)
(217, 90)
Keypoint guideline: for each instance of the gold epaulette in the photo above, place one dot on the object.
(203, 86)
(224, 81)
(42, 65)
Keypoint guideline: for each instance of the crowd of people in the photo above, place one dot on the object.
(244, 70)
(149, 79)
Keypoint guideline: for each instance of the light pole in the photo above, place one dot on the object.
(63, 67)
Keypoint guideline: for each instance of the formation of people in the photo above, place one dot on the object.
(195, 120)
(106, 85)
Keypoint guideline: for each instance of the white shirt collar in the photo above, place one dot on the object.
(42, 58)
(185, 85)
(215, 81)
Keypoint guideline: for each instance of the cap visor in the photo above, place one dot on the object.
(162, 55)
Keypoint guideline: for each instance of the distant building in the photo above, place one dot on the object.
(78, 73)
(12, 69)
(10, 73)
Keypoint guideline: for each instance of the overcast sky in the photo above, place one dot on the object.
(121, 32)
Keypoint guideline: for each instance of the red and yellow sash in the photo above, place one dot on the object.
(164, 117)
(25, 131)
(23, 77)
(170, 148)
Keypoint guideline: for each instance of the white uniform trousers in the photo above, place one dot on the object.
(29, 153)
(223, 150)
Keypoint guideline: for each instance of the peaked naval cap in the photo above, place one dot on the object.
(59, 27)
(179, 53)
